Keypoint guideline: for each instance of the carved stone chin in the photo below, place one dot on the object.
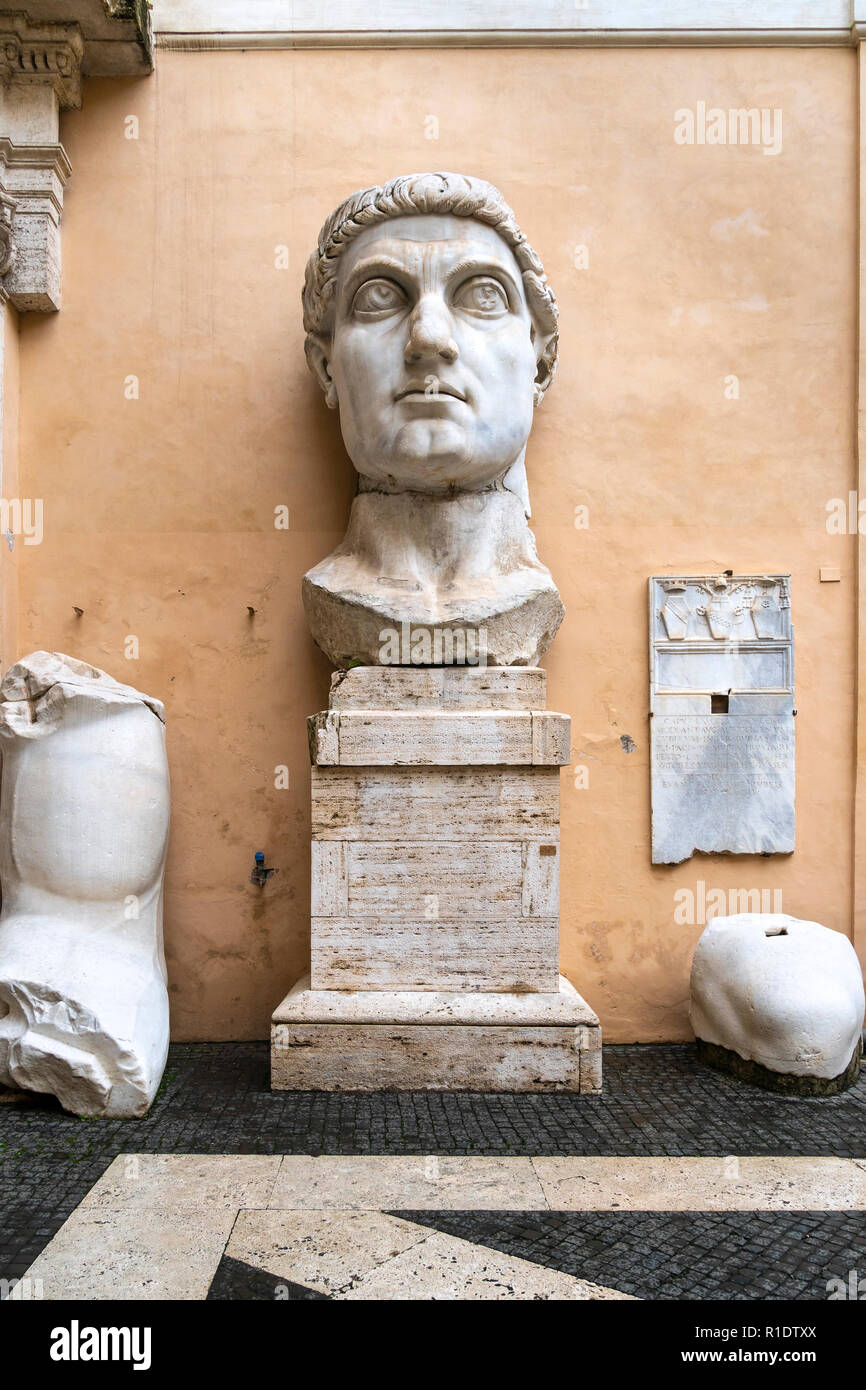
(412, 563)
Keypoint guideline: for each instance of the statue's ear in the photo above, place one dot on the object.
(544, 342)
(317, 351)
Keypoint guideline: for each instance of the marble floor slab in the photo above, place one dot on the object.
(702, 1184)
(160, 1226)
(380, 1183)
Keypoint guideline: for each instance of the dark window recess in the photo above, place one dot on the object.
(718, 704)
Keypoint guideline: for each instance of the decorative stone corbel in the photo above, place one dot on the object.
(45, 55)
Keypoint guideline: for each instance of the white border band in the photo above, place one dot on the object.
(210, 24)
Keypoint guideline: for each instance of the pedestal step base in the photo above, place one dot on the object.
(358, 1040)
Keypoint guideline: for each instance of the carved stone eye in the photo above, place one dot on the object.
(377, 297)
(482, 296)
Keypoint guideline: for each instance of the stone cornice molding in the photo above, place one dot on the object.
(113, 37)
(51, 157)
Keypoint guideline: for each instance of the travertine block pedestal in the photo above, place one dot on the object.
(435, 892)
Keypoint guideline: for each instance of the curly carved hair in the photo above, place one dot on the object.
(461, 195)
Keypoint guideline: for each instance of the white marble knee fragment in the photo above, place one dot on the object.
(779, 991)
(84, 815)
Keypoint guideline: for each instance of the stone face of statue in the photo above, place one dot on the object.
(431, 327)
(432, 356)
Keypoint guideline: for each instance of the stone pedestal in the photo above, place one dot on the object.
(435, 892)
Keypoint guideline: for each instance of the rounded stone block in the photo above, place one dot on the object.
(776, 997)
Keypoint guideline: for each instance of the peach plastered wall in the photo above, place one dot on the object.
(167, 410)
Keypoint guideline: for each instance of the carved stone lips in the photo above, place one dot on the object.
(420, 388)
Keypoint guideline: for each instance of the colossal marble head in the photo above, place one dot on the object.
(431, 326)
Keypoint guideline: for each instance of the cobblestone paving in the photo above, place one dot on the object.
(215, 1099)
(674, 1254)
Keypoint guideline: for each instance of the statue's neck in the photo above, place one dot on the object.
(439, 538)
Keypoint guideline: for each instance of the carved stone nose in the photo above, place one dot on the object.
(430, 334)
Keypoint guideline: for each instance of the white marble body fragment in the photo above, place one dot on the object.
(779, 991)
(84, 815)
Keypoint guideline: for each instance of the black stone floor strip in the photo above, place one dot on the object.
(658, 1255)
(236, 1281)
(215, 1098)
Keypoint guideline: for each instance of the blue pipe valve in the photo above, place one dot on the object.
(260, 874)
